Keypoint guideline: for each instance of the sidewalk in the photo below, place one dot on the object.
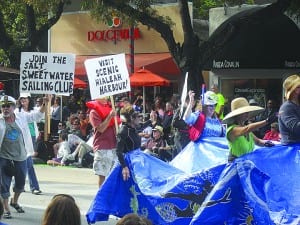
(81, 183)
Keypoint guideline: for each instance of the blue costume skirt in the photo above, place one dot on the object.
(202, 154)
(262, 187)
(156, 190)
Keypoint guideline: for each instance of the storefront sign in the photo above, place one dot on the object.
(113, 35)
(224, 64)
(47, 73)
(107, 75)
(249, 90)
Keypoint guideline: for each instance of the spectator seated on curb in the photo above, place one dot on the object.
(157, 145)
(64, 156)
(84, 153)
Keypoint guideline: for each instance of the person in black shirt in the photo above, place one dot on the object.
(128, 138)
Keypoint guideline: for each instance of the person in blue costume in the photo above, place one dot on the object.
(208, 146)
(149, 187)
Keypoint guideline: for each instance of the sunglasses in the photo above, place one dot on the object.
(6, 105)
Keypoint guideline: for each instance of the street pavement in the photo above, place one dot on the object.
(81, 183)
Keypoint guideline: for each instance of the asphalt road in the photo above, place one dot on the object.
(81, 183)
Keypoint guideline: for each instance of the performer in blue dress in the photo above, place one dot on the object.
(148, 186)
(208, 146)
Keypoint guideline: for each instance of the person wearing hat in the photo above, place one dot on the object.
(15, 142)
(26, 105)
(205, 129)
(211, 124)
(157, 145)
(289, 112)
(241, 139)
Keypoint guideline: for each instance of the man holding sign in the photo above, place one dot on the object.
(108, 76)
(102, 119)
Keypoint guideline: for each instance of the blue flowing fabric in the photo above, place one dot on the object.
(262, 187)
(203, 154)
(156, 190)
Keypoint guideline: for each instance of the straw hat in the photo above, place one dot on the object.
(210, 98)
(240, 106)
(290, 84)
(159, 128)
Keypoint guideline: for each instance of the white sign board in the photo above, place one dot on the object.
(108, 75)
(47, 73)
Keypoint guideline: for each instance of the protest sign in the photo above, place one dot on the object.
(108, 75)
(47, 73)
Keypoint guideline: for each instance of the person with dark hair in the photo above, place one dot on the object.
(26, 105)
(133, 219)
(270, 110)
(55, 115)
(128, 138)
(62, 210)
(63, 154)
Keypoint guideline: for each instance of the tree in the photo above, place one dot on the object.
(190, 56)
(24, 24)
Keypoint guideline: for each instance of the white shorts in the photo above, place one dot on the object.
(104, 161)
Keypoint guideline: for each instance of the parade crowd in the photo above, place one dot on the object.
(124, 143)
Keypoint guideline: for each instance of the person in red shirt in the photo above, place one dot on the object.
(273, 134)
(105, 141)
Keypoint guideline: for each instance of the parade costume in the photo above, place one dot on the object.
(208, 146)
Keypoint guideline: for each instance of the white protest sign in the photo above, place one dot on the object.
(108, 75)
(47, 73)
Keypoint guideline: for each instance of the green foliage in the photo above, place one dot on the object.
(202, 7)
(22, 19)
(103, 10)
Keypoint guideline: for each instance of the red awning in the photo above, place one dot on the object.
(159, 63)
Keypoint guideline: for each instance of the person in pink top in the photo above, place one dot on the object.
(273, 134)
(104, 144)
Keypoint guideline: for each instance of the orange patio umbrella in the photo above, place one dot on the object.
(145, 78)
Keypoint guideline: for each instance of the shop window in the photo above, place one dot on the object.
(258, 89)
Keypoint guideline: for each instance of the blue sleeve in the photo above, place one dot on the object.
(191, 120)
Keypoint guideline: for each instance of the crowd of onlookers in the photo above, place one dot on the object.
(71, 132)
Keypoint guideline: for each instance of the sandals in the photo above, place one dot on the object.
(7, 215)
(17, 207)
